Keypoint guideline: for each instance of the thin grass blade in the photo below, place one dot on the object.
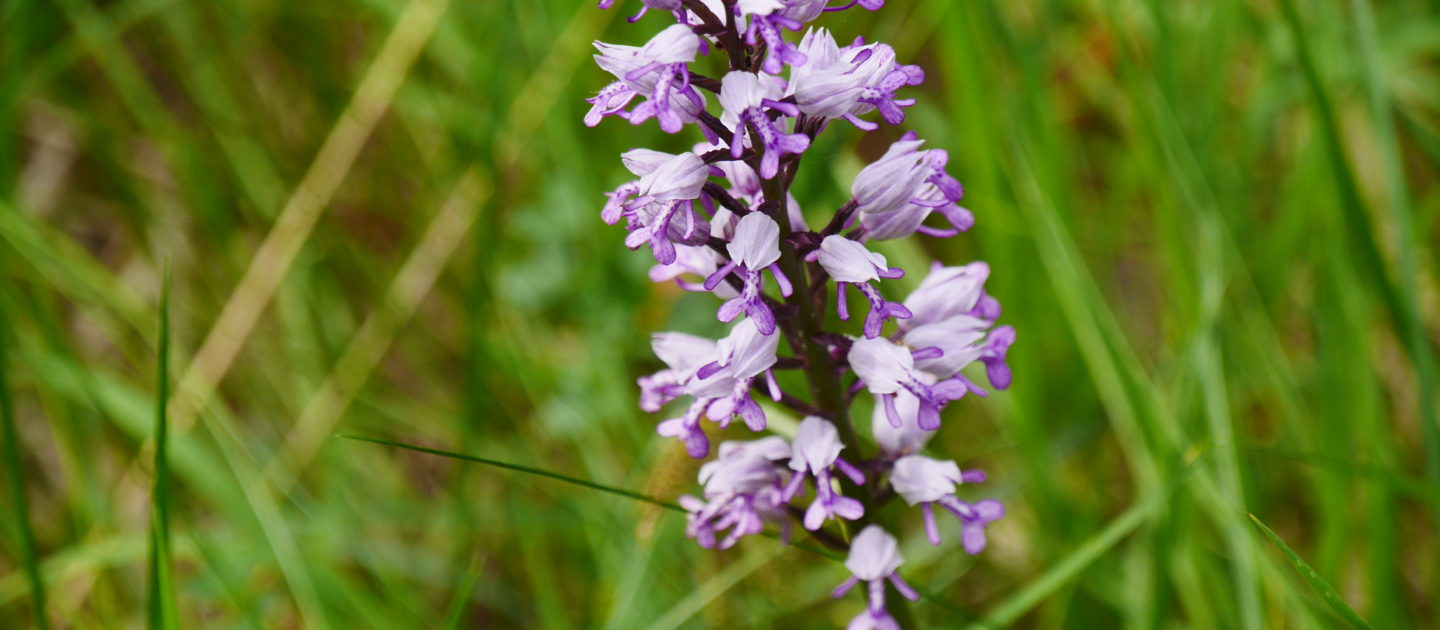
(525, 469)
(162, 612)
(1009, 611)
(30, 556)
(463, 594)
(1320, 585)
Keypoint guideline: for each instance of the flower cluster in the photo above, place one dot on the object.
(720, 219)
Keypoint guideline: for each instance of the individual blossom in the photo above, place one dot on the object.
(746, 98)
(925, 482)
(907, 176)
(946, 292)
(850, 264)
(743, 492)
(721, 388)
(754, 249)
(874, 559)
(815, 450)
(951, 313)
(659, 207)
(659, 71)
(852, 81)
(887, 368)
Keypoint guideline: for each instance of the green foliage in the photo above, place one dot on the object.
(1212, 224)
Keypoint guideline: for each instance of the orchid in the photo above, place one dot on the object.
(721, 219)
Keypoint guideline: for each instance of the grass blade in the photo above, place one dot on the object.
(691, 605)
(1326, 592)
(161, 605)
(463, 594)
(525, 469)
(1067, 569)
(30, 556)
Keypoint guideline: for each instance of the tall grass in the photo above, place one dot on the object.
(1213, 225)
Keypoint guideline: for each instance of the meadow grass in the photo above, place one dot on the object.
(1213, 225)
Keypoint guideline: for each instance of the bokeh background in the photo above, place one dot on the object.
(1212, 223)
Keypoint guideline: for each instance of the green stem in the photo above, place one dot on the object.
(825, 386)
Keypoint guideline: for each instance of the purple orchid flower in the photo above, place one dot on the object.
(721, 388)
(659, 207)
(659, 70)
(951, 312)
(816, 449)
(746, 97)
(849, 263)
(851, 81)
(755, 248)
(743, 489)
(906, 176)
(874, 559)
(925, 481)
(684, 355)
(887, 368)
(767, 17)
(905, 439)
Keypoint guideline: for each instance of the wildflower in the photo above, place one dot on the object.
(691, 261)
(746, 97)
(660, 205)
(815, 450)
(721, 388)
(925, 481)
(907, 176)
(946, 292)
(722, 235)
(743, 489)
(767, 17)
(951, 313)
(874, 558)
(887, 369)
(852, 81)
(911, 218)
(849, 263)
(658, 70)
(755, 248)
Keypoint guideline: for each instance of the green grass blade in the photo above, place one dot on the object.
(1326, 591)
(1061, 573)
(525, 469)
(1414, 335)
(30, 556)
(713, 588)
(161, 605)
(456, 611)
(585, 483)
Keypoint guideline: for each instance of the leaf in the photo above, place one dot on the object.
(525, 469)
(162, 613)
(13, 468)
(1326, 591)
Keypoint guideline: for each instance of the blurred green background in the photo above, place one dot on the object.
(1212, 223)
